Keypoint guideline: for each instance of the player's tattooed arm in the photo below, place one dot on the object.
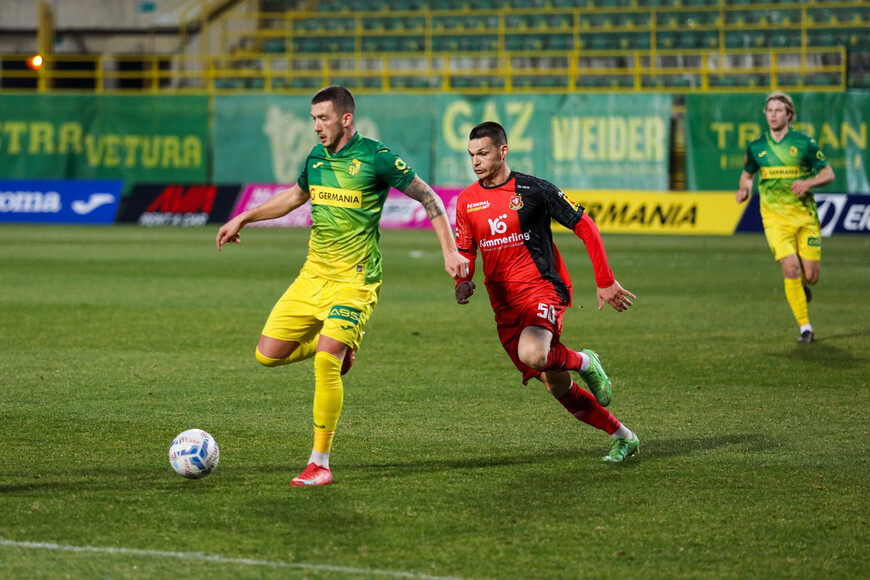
(455, 263)
(420, 191)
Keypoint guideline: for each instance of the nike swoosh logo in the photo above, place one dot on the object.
(762, 154)
(96, 200)
(316, 165)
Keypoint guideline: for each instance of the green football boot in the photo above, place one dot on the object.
(596, 379)
(621, 449)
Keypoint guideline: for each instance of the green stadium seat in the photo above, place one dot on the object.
(822, 38)
(710, 39)
(690, 40)
(724, 81)
(603, 41)
(785, 38)
(859, 80)
(305, 82)
(666, 40)
(620, 81)
(823, 80)
(274, 46)
(679, 81)
(532, 42)
(516, 22)
(638, 41)
(736, 39)
(513, 42)
(589, 81)
(789, 80)
(558, 42)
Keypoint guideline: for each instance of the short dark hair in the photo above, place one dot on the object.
(489, 129)
(341, 98)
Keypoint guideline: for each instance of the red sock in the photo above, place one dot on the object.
(562, 358)
(584, 407)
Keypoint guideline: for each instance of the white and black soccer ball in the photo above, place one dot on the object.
(194, 454)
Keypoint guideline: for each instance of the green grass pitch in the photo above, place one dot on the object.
(754, 456)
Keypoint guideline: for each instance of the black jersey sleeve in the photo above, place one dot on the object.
(560, 208)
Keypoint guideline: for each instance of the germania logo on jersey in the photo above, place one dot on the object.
(780, 172)
(477, 206)
(335, 197)
(516, 202)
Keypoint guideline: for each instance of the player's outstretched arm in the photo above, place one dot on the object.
(455, 263)
(744, 188)
(279, 205)
(615, 295)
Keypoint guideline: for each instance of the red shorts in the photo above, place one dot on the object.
(518, 308)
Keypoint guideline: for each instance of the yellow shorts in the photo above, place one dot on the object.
(313, 305)
(786, 238)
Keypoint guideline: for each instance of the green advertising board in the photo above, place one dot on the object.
(266, 138)
(719, 127)
(575, 141)
(134, 138)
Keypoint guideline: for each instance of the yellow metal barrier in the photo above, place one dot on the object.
(674, 48)
(669, 71)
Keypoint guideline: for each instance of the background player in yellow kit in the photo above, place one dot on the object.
(791, 164)
(322, 314)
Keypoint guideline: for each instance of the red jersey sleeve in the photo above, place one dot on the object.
(587, 231)
(465, 240)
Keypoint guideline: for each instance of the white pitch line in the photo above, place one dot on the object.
(219, 559)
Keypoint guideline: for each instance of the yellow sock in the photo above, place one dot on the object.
(328, 399)
(303, 351)
(794, 293)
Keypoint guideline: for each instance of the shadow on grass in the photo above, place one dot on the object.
(664, 448)
(650, 449)
(99, 479)
(825, 354)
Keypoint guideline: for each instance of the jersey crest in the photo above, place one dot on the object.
(354, 166)
(516, 202)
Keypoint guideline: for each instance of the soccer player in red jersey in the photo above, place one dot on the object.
(506, 215)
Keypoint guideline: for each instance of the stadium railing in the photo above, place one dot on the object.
(479, 46)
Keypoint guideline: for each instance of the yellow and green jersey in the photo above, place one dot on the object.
(795, 157)
(348, 191)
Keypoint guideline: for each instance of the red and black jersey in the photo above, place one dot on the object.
(510, 225)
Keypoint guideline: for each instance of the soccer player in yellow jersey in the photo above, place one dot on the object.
(791, 165)
(323, 312)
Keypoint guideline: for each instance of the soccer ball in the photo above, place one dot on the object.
(194, 454)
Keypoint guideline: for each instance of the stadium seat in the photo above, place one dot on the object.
(690, 40)
(666, 40)
(559, 42)
(273, 46)
(736, 39)
(785, 38)
(513, 42)
(589, 81)
(603, 41)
